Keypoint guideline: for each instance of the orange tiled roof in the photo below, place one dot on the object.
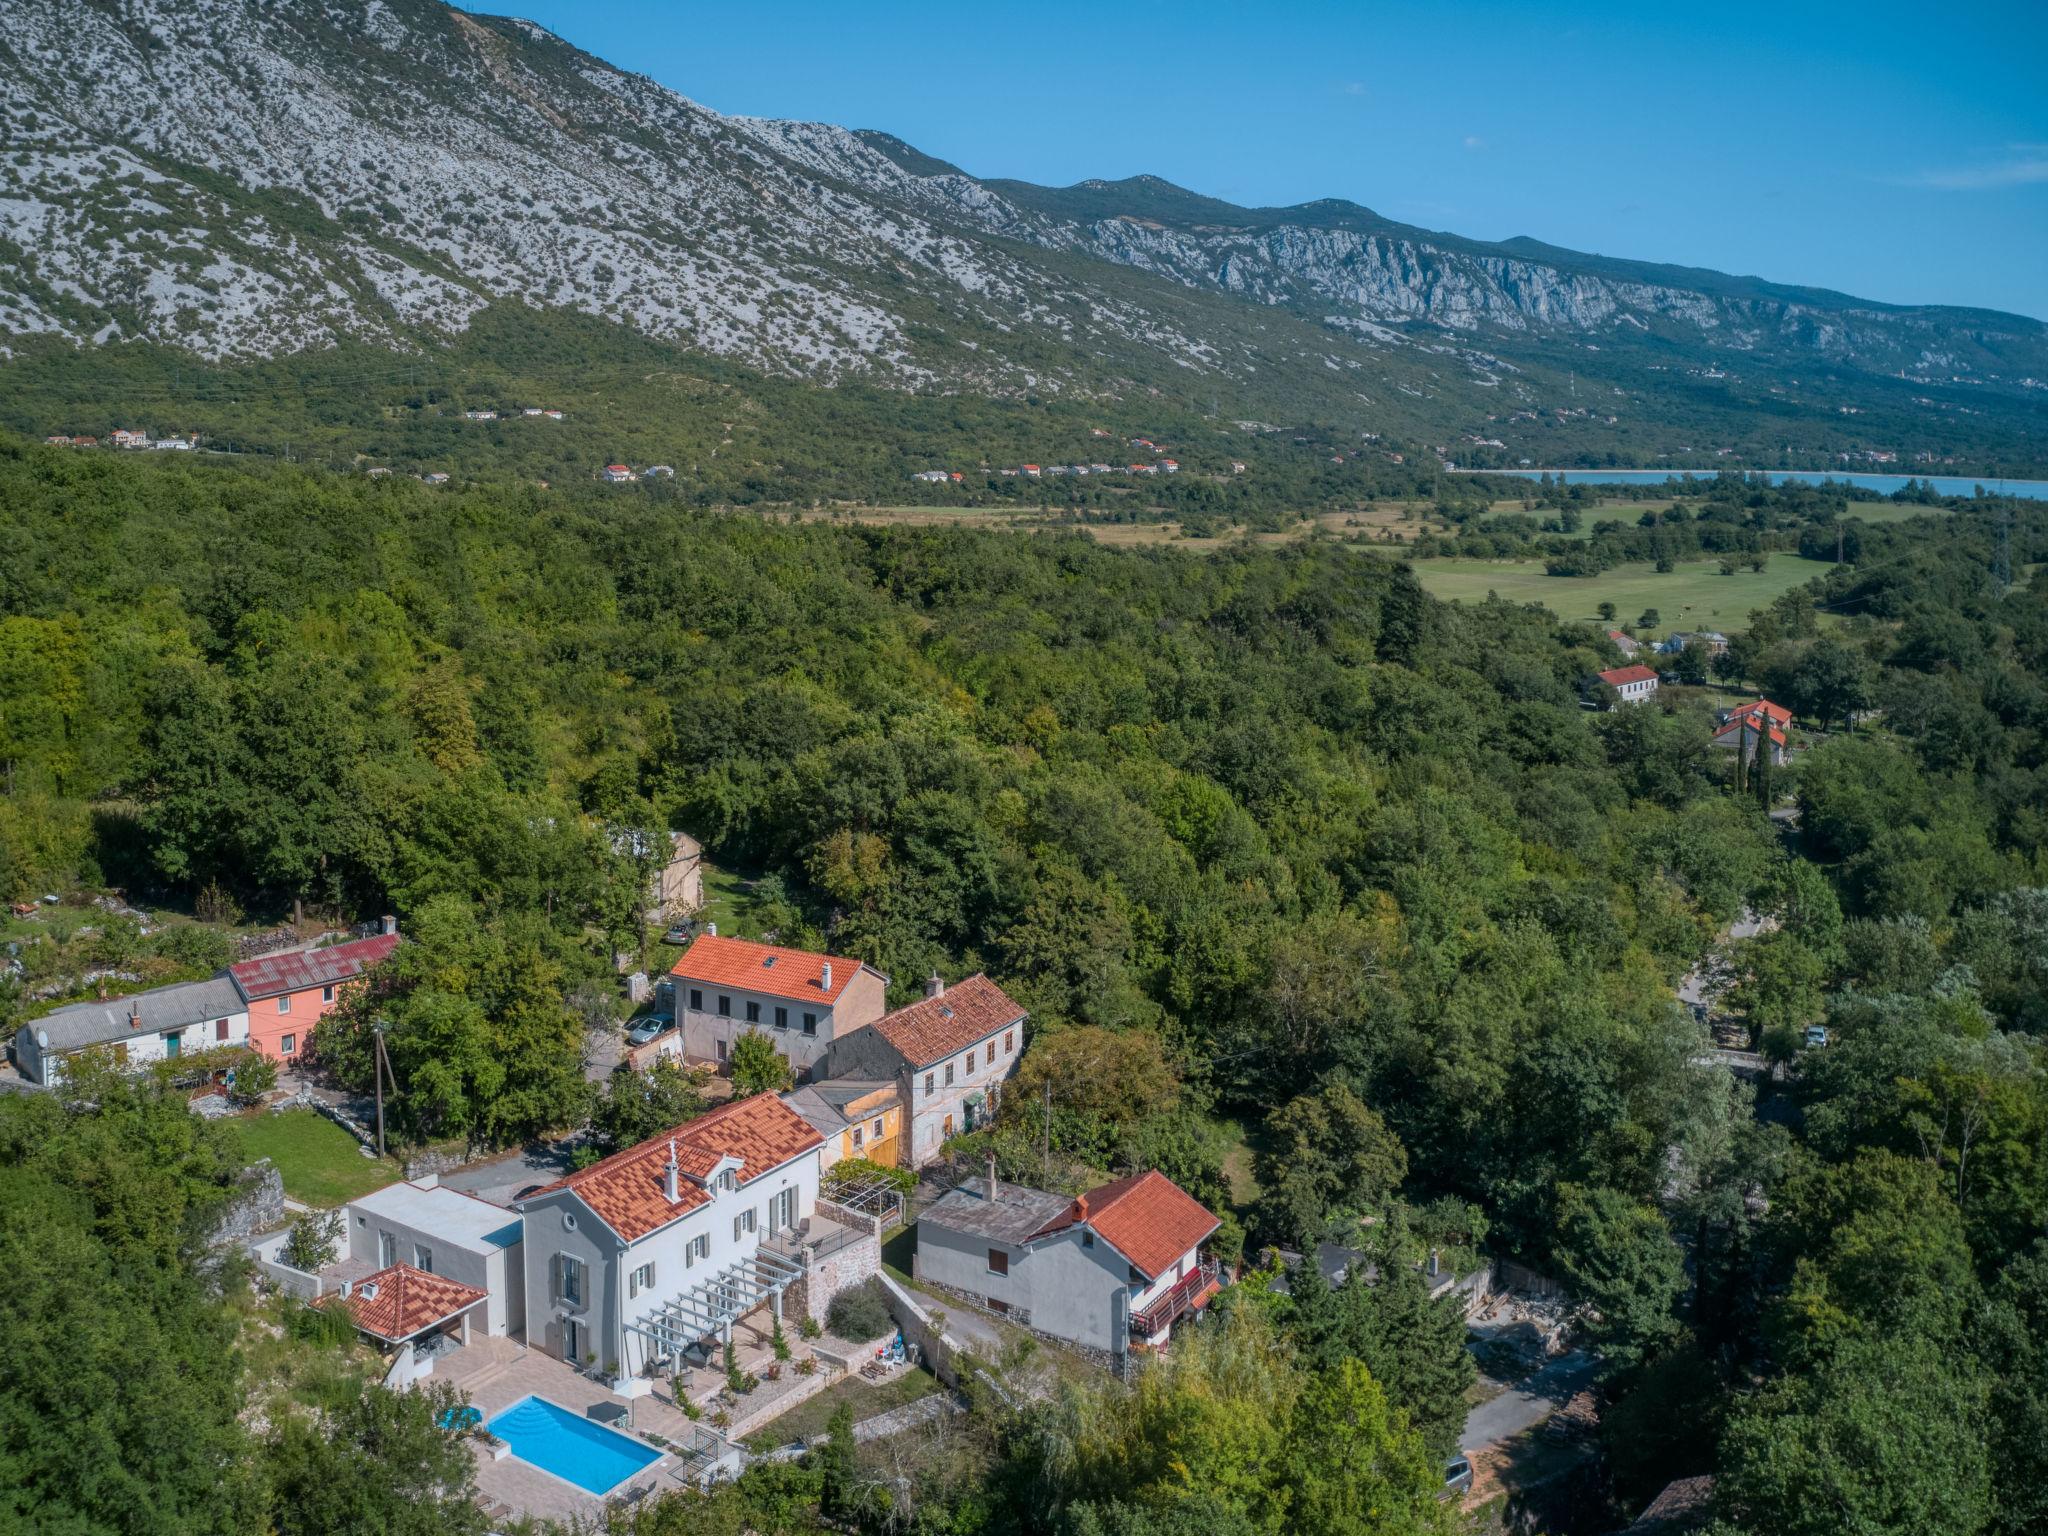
(400, 1301)
(1147, 1218)
(1779, 714)
(628, 1189)
(792, 973)
(933, 1028)
(1735, 727)
(1616, 676)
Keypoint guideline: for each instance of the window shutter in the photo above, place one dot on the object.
(555, 1277)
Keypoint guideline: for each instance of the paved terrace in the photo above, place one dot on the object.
(496, 1373)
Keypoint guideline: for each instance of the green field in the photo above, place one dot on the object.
(1694, 596)
(320, 1163)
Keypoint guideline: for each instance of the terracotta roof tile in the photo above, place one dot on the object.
(400, 1301)
(627, 1190)
(270, 975)
(1146, 1217)
(1779, 714)
(1615, 676)
(1734, 730)
(933, 1028)
(792, 973)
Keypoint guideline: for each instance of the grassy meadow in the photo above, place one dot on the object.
(1694, 596)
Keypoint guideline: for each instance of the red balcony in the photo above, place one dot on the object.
(1190, 1291)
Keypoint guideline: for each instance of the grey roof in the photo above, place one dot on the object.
(162, 1008)
(1013, 1216)
(823, 1105)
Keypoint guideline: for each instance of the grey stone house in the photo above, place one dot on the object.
(1110, 1270)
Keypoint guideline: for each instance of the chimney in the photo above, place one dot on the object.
(387, 924)
(993, 1187)
(934, 984)
(135, 1015)
(825, 976)
(711, 930)
(669, 1184)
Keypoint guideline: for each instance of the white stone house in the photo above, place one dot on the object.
(156, 1025)
(654, 1252)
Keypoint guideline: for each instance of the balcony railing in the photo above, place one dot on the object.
(1167, 1309)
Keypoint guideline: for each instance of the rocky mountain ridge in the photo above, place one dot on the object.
(244, 180)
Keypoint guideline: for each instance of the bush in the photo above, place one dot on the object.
(192, 947)
(313, 1241)
(861, 1313)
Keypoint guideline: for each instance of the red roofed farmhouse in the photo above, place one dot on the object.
(1113, 1269)
(948, 1053)
(289, 993)
(1741, 727)
(801, 1001)
(1633, 685)
(636, 1261)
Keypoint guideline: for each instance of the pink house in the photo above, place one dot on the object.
(289, 993)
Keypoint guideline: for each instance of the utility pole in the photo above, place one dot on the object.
(383, 1068)
(1047, 1130)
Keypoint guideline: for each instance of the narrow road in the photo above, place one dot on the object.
(1528, 1402)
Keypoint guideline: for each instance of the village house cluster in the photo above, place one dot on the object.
(1158, 464)
(641, 1288)
(548, 413)
(268, 1004)
(123, 437)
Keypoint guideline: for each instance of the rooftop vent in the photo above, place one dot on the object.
(768, 962)
(368, 1290)
(825, 976)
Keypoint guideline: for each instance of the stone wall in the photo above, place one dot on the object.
(258, 1205)
(1020, 1317)
(812, 1295)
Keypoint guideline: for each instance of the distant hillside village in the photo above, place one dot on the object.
(1158, 464)
(124, 438)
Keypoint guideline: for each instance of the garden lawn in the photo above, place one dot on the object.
(808, 1419)
(1694, 596)
(321, 1164)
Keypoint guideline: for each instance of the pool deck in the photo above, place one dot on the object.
(498, 1372)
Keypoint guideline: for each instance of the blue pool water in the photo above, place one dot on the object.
(570, 1446)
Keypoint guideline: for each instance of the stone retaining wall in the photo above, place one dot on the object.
(812, 1295)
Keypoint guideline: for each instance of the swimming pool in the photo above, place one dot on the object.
(574, 1449)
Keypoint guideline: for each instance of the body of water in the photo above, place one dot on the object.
(1883, 485)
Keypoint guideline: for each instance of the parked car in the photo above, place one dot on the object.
(1816, 1036)
(681, 931)
(648, 1028)
(1457, 1478)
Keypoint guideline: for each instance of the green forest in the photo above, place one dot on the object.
(1328, 899)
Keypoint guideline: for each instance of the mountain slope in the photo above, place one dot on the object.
(244, 181)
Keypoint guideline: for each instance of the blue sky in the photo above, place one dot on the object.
(1898, 152)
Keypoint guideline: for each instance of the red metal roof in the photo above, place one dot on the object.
(400, 1301)
(1146, 1217)
(934, 1028)
(628, 1190)
(796, 974)
(299, 969)
(1616, 676)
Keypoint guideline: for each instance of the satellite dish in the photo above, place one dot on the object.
(43, 1038)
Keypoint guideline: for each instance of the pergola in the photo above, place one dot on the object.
(870, 1196)
(715, 1303)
